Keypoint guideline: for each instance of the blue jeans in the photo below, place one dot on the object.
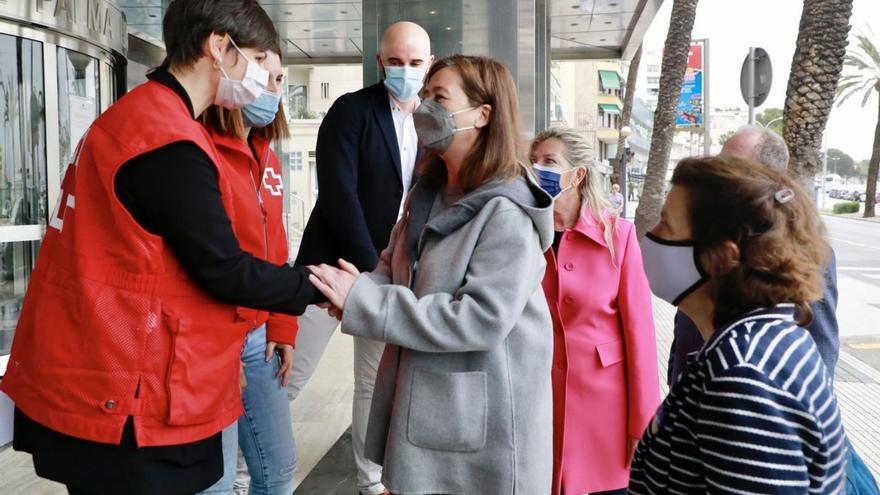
(264, 432)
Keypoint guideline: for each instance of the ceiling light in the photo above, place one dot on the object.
(287, 12)
(449, 28)
(432, 12)
(356, 29)
(572, 38)
(602, 39)
(612, 4)
(607, 22)
(343, 12)
(152, 16)
(307, 30)
(324, 45)
(574, 24)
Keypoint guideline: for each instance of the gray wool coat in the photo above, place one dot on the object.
(463, 401)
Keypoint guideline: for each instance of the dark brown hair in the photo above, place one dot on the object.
(187, 23)
(781, 239)
(495, 155)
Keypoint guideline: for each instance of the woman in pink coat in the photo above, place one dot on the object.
(606, 386)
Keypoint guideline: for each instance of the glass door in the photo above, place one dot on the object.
(79, 95)
(23, 190)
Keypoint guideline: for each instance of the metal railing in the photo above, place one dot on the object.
(296, 218)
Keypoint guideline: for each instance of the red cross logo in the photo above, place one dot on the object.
(272, 182)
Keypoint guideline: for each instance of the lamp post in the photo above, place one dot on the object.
(625, 132)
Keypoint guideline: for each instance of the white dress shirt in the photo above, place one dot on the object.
(408, 144)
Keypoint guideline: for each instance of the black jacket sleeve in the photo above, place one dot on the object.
(337, 154)
(172, 192)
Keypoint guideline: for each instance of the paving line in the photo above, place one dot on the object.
(852, 243)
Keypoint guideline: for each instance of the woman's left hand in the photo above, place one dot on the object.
(335, 283)
(286, 353)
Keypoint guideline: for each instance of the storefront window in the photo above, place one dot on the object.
(23, 189)
(78, 99)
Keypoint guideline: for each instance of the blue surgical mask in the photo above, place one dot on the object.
(404, 83)
(261, 112)
(549, 179)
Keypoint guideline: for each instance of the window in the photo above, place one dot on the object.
(296, 161)
(653, 68)
(609, 116)
(23, 173)
(325, 90)
(298, 100)
(653, 80)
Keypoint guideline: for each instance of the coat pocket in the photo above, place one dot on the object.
(448, 411)
(611, 353)
(204, 370)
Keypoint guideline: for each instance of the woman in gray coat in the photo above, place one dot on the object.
(462, 403)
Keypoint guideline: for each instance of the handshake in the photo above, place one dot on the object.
(335, 284)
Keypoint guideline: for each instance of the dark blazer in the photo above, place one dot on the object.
(359, 182)
(823, 329)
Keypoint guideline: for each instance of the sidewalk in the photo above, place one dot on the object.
(322, 413)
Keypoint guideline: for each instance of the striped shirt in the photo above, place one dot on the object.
(754, 413)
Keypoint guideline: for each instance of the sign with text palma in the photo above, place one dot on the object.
(690, 104)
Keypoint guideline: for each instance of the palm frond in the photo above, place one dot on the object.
(868, 46)
(854, 89)
(868, 94)
(855, 61)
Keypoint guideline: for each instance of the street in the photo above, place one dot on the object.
(857, 246)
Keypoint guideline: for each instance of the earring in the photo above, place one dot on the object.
(218, 63)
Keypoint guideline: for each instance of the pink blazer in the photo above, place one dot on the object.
(605, 381)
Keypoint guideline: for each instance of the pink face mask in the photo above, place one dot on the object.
(234, 95)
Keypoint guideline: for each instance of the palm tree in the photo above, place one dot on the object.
(675, 57)
(865, 58)
(628, 95)
(815, 71)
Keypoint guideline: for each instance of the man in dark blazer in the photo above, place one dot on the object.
(366, 153)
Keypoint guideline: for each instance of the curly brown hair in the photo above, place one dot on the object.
(781, 239)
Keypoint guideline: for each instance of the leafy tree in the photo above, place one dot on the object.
(773, 115)
(841, 164)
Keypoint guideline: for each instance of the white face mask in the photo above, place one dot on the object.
(672, 267)
(234, 95)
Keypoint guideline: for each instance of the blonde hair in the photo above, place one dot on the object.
(578, 153)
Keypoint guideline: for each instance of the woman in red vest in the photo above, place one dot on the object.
(264, 432)
(125, 362)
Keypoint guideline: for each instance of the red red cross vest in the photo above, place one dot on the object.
(111, 325)
(259, 219)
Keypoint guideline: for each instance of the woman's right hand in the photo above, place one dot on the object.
(334, 283)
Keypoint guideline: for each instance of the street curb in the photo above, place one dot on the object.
(860, 219)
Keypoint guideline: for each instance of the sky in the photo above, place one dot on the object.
(733, 26)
